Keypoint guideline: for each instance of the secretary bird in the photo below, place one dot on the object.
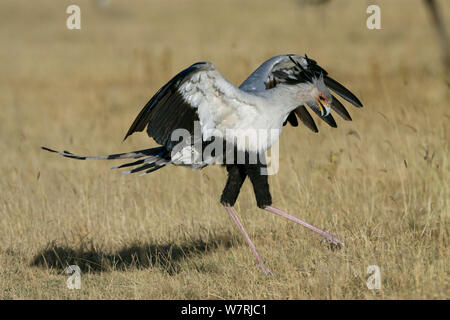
(199, 98)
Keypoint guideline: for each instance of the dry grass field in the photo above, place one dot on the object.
(380, 183)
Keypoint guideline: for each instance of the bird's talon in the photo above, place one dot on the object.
(333, 242)
(266, 270)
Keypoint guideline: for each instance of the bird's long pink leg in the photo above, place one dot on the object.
(235, 218)
(330, 237)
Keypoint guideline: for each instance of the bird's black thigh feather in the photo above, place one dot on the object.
(236, 177)
(260, 184)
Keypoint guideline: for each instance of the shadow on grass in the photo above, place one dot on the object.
(166, 256)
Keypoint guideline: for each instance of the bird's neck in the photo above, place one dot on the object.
(283, 99)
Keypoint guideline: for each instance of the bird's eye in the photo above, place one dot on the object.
(322, 98)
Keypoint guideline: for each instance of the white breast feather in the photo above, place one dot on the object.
(226, 111)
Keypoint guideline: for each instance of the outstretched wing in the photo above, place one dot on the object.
(198, 93)
(167, 109)
(294, 69)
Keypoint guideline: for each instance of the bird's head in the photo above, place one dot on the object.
(305, 79)
(319, 97)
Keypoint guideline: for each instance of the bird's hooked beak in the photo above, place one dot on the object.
(324, 109)
(323, 104)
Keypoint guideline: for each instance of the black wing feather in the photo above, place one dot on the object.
(328, 119)
(167, 110)
(292, 119)
(306, 118)
(315, 69)
(342, 91)
(337, 106)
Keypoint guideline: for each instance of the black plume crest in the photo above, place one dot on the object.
(308, 73)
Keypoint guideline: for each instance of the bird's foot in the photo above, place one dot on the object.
(333, 242)
(266, 270)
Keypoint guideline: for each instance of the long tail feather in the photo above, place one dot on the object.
(127, 155)
(154, 165)
(154, 159)
(130, 164)
(144, 167)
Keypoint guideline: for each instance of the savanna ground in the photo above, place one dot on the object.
(380, 182)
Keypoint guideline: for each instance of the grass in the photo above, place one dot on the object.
(380, 182)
